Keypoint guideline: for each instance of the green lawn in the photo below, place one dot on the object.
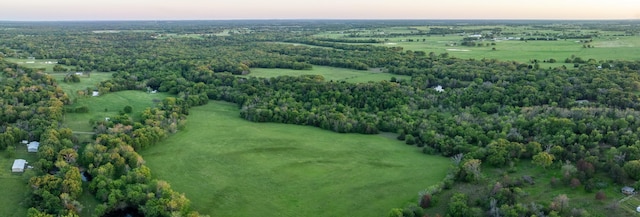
(109, 105)
(329, 73)
(228, 166)
(14, 185)
(86, 81)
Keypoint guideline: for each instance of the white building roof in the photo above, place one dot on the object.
(33, 146)
(18, 164)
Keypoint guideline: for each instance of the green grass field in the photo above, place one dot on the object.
(86, 81)
(329, 73)
(14, 185)
(228, 166)
(109, 105)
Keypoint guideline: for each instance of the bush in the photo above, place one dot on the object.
(128, 109)
(601, 195)
(11, 151)
(410, 140)
(82, 109)
(429, 150)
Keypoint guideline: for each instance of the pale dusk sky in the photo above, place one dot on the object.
(51, 10)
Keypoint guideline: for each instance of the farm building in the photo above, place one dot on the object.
(33, 146)
(628, 190)
(18, 165)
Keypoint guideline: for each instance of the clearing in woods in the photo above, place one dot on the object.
(228, 166)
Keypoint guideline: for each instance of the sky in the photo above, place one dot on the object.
(55, 10)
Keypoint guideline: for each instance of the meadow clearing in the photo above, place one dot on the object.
(228, 166)
(329, 74)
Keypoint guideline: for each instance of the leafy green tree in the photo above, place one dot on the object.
(632, 168)
(395, 212)
(128, 109)
(457, 206)
(543, 159)
(472, 170)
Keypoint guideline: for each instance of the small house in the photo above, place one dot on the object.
(628, 190)
(33, 146)
(95, 93)
(18, 165)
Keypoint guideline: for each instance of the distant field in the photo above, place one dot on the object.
(14, 185)
(627, 48)
(606, 47)
(228, 166)
(329, 73)
(46, 64)
(109, 105)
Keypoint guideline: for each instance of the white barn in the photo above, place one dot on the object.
(18, 165)
(33, 146)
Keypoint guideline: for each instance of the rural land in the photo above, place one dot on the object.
(284, 118)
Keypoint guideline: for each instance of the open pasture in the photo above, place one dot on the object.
(329, 74)
(228, 166)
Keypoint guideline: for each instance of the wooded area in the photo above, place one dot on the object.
(494, 112)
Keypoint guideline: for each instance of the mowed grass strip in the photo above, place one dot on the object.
(228, 166)
(329, 74)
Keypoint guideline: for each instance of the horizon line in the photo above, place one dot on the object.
(329, 19)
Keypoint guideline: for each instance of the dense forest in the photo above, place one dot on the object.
(583, 120)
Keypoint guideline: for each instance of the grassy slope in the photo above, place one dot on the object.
(231, 167)
(329, 73)
(14, 185)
